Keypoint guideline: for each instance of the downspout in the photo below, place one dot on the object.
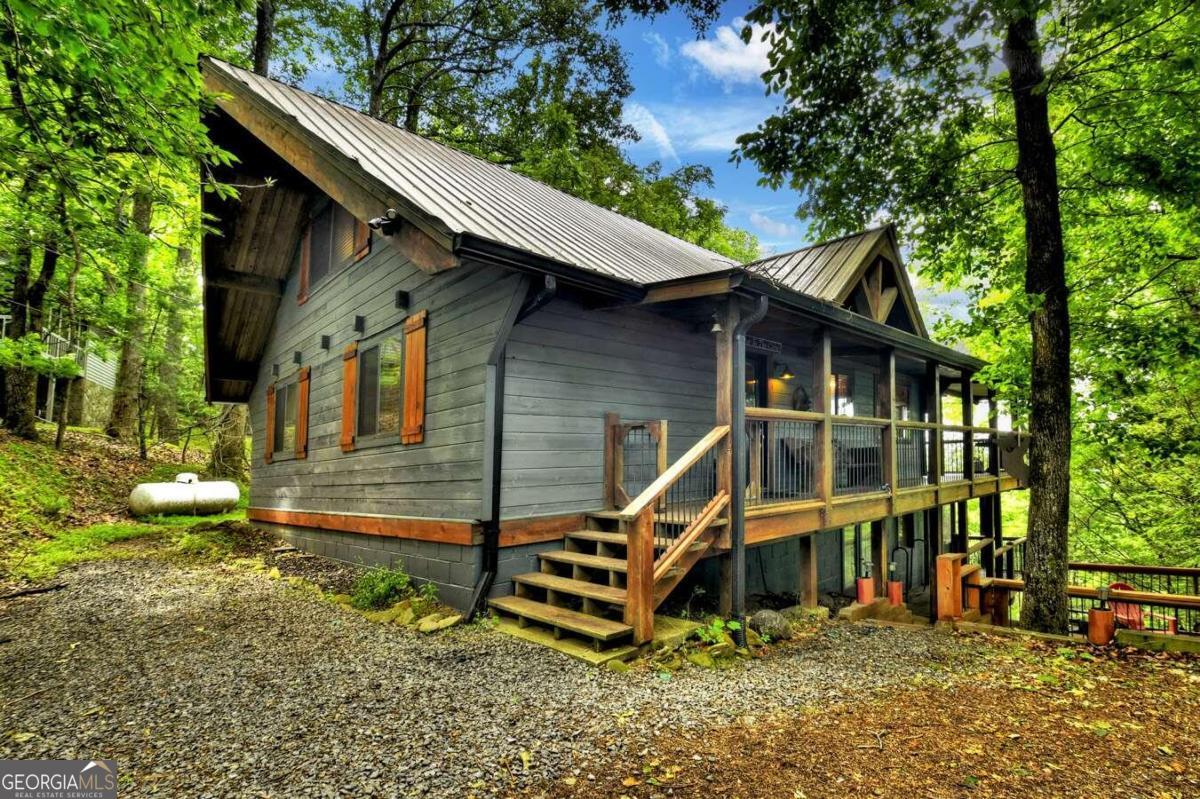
(493, 436)
(737, 502)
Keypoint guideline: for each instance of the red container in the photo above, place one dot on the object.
(1102, 626)
(866, 590)
(895, 593)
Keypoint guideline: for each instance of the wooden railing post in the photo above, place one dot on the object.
(968, 415)
(728, 320)
(822, 395)
(612, 423)
(639, 579)
(949, 587)
(887, 410)
(933, 390)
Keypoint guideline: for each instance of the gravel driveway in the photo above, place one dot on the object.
(206, 682)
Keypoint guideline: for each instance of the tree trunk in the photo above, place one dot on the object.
(122, 420)
(1044, 605)
(166, 405)
(264, 36)
(229, 444)
(63, 388)
(19, 383)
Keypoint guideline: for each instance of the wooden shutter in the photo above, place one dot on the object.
(302, 414)
(349, 395)
(270, 445)
(412, 431)
(362, 240)
(305, 253)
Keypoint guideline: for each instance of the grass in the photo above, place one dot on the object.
(42, 559)
(60, 508)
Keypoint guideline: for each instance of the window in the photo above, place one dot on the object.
(333, 241)
(285, 419)
(380, 392)
(843, 395)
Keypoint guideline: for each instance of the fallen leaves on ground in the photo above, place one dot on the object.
(1041, 721)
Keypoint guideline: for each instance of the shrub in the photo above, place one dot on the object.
(379, 588)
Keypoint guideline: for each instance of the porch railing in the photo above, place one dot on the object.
(782, 458)
(784, 465)
(668, 526)
(635, 453)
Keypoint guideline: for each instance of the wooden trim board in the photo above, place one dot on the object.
(443, 531)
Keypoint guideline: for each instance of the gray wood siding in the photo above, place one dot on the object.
(441, 477)
(566, 366)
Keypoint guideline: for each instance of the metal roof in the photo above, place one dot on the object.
(824, 270)
(472, 196)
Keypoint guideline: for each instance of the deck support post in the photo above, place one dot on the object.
(809, 576)
(949, 587)
(727, 317)
(879, 555)
(933, 546)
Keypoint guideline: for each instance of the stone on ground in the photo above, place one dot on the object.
(771, 624)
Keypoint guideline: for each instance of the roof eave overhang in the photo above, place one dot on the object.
(839, 318)
(331, 171)
(470, 247)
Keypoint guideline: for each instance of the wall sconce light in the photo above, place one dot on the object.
(326, 342)
(783, 371)
(401, 299)
(360, 324)
(296, 359)
(275, 370)
(716, 325)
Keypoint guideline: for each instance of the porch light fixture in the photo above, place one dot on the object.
(297, 358)
(783, 371)
(325, 342)
(716, 325)
(360, 324)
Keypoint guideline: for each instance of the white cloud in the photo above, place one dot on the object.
(662, 50)
(705, 127)
(727, 58)
(651, 130)
(772, 227)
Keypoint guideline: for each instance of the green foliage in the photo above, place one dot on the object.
(379, 588)
(715, 631)
(30, 353)
(33, 493)
(903, 111)
(67, 547)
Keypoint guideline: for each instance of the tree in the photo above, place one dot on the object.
(123, 418)
(940, 114)
(170, 365)
(228, 458)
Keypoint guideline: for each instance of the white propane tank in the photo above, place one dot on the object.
(186, 496)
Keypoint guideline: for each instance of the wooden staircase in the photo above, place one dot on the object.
(580, 589)
(606, 581)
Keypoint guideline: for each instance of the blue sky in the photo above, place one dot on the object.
(692, 98)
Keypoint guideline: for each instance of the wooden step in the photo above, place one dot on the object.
(565, 585)
(614, 539)
(588, 561)
(562, 618)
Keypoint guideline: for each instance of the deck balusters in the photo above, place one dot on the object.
(782, 461)
(857, 458)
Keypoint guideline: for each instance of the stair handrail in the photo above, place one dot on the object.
(649, 497)
(637, 523)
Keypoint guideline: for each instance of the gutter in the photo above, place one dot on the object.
(737, 502)
(467, 245)
(521, 307)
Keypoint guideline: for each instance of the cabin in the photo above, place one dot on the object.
(544, 407)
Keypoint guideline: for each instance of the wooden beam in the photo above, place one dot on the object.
(879, 556)
(933, 402)
(728, 318)
(243, 281)
(639, 588)
(810, 580)
(705, 287)
(887, 409)
(445, 531)
(822, 396)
